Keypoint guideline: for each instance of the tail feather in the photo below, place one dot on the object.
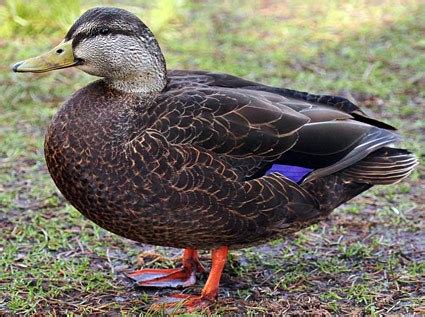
(371, 143)
(382, 167)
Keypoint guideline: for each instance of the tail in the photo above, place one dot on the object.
(383, 167)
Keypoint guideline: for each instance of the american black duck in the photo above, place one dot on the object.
(199, 160)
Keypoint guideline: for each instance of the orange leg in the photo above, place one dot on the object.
(210, 290)
(175, 278)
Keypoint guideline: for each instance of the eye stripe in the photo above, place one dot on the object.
(97, 32)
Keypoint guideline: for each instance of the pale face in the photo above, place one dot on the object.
(113, 55)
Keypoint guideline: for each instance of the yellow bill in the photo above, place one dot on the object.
(59, 57)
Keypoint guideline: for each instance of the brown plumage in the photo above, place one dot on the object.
(185, 165)
(167, 170)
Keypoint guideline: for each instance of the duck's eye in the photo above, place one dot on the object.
(104, 31)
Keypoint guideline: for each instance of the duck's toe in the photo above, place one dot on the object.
(173, 278)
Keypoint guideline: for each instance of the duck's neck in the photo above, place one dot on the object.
(141, 84)
(145, 75)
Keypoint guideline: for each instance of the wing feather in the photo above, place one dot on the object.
(255, 125)
(238, 123)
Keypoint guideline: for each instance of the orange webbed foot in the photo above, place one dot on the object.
(182, 302)
(173, 278)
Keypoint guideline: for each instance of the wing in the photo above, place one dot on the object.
(240, 125)
(181, 77)
(337, 134)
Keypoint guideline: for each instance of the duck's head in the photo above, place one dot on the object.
(111, 43)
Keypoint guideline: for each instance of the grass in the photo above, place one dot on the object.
(367, 258)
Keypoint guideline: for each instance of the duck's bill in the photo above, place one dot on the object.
(59, 57)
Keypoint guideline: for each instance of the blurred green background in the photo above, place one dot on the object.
(54, 261)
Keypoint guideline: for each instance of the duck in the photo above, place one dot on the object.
(199, 160)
